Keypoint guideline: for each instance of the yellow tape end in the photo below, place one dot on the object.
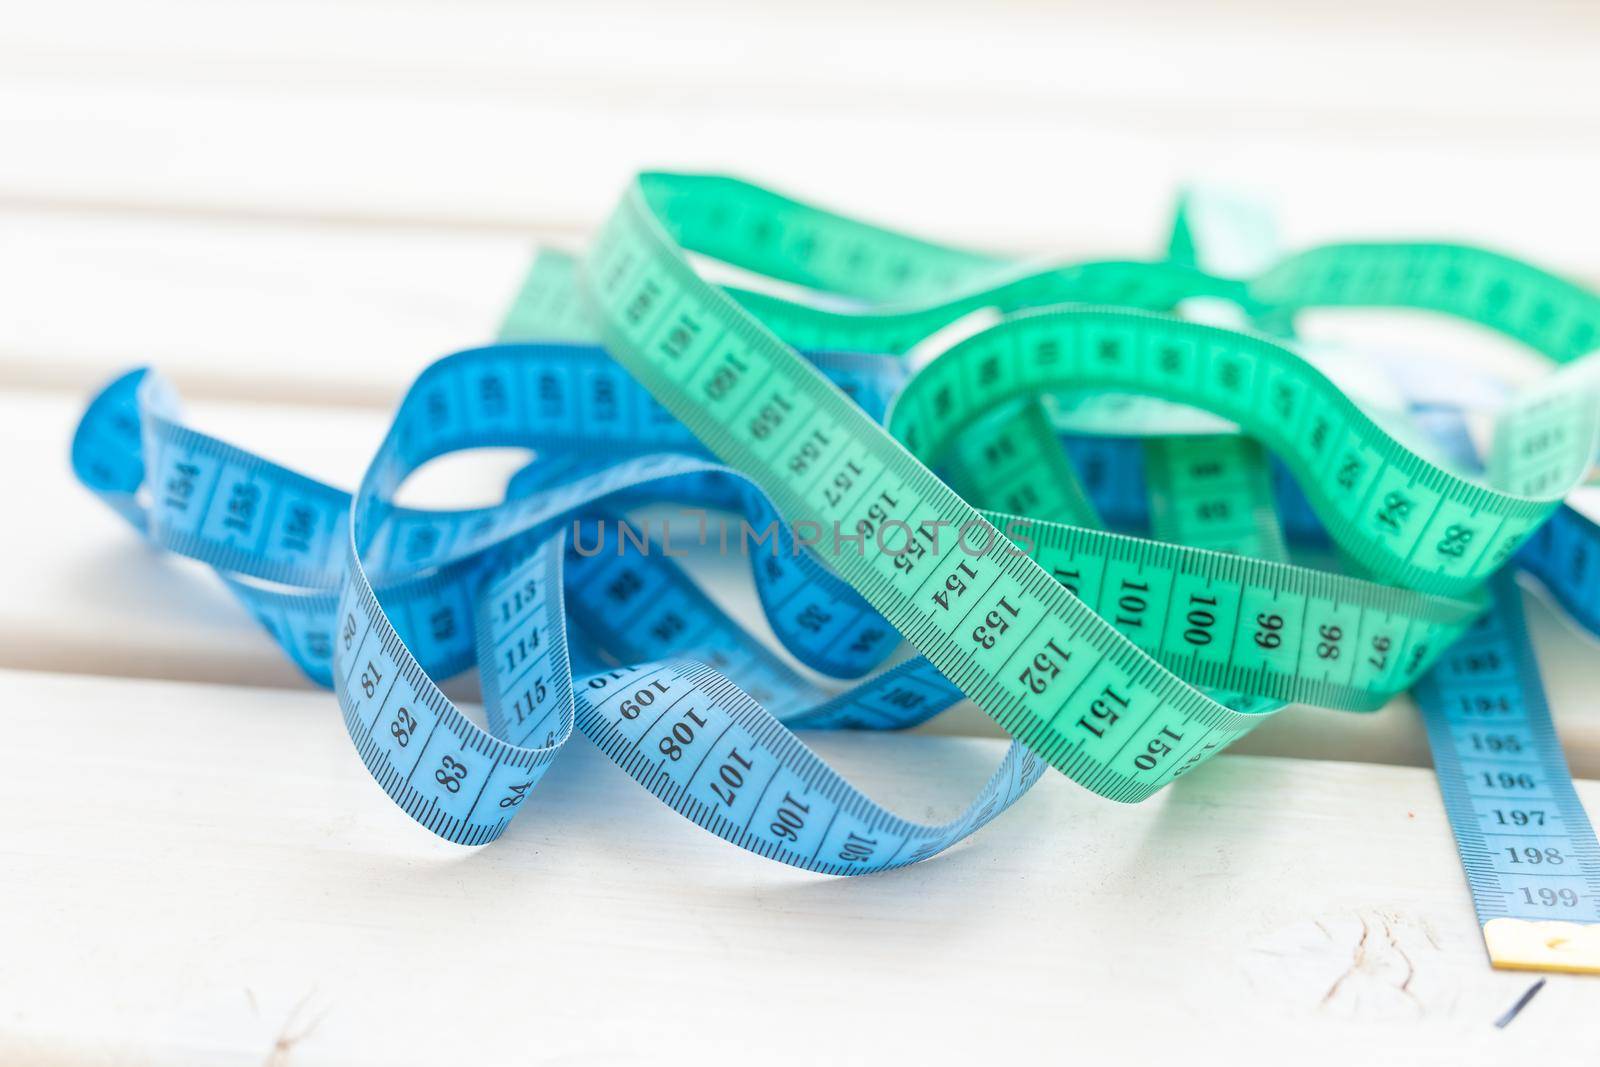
(1527, 945)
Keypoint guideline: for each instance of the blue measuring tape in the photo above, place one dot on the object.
(1530, 854)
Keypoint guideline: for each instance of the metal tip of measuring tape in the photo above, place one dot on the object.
(1533, 945)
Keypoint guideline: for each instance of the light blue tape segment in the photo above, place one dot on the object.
(1524, 838)
(1526, 843)
(419, 595)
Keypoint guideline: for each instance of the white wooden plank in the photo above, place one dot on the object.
(84, 596)
(1070, 178)
(349, 315)
(206, 875)
(283, 312)
(1170, 57)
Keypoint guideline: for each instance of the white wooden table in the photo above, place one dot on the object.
(293, 207)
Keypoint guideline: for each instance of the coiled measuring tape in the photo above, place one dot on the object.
(1121, 660)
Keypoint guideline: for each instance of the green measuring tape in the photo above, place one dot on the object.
(1102, 684)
